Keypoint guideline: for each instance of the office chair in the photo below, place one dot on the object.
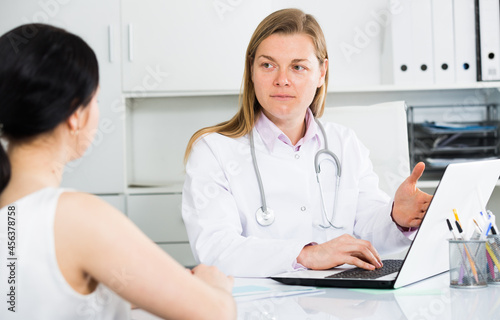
(383, 130)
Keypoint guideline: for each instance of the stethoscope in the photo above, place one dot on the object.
(265, 215)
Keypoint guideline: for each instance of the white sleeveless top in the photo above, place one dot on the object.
(40, 290)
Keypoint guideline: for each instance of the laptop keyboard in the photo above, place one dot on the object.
(389, 266)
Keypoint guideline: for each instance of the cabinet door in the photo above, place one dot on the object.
(101, 169)
(199, 45)
(117, 201)
(181, 252)
(194, 45)
(158, 216)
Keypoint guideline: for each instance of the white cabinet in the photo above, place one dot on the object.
(116, 200)
(185, 45)
(181, 252)
(194, 47)
(159, 217)
(101, 169)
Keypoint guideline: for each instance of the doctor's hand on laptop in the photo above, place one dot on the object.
(343, 249)
(410, 203)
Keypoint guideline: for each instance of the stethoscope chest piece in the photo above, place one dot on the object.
(264, 218)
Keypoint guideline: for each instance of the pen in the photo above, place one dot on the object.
(456, 216)
(459, 225)
(490, 264)
(483, 218)
(488, 229)
(491, 216)
(462, 267)
(471, 261)
(451, 229)
(478, 229)
(489, 253)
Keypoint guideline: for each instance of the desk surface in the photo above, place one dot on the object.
(428, 299)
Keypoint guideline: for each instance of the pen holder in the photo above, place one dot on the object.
(468, 263)
(493, 259)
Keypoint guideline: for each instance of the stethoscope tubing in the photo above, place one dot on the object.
(265, 216)
(257, 173)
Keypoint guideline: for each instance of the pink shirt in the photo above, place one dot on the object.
(270, 133)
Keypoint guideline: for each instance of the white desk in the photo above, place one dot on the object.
(428, 299)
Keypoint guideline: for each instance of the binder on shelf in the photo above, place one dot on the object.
(465, 41)
(421, 25)
(443, 41)
(488, 39)
(397, 57)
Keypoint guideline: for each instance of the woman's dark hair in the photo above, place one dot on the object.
(46, 73)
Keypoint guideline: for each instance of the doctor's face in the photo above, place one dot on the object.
(286, 74)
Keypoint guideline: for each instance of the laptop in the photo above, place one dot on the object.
(465, 187)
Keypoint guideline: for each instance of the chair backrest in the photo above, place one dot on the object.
(383, 130)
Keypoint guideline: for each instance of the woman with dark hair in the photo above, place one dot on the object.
(69, 255)
(267, 152)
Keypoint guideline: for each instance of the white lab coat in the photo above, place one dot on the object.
(221, 196)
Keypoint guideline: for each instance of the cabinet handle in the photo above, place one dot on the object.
(130, 43)
(110, 44)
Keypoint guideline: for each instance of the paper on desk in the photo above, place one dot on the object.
(255, 292)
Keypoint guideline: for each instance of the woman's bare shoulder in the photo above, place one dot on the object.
(81, 210)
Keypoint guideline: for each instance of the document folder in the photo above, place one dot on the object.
(397, 58)
(488, 36)
(443, 41)
(421, 24)
(465, 41)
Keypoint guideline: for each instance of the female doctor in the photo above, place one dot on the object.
(252, 202)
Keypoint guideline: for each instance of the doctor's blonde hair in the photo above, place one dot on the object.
(286, 21)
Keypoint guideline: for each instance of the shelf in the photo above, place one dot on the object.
(170, 94)
(447, 150)
(426, 131)
(390, 87)
(174, 187)
(438, 142)
(332, 89)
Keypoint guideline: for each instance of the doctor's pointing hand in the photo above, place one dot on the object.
(274, 189)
